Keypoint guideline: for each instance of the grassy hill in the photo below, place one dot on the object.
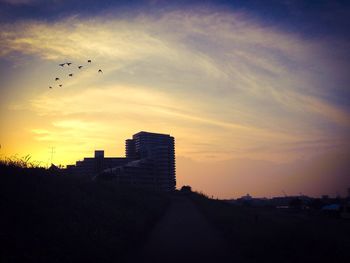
(47, 217)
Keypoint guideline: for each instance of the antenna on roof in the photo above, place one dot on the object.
(52, 154)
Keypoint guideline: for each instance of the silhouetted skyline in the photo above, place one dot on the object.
(149, 162)
(256, 93)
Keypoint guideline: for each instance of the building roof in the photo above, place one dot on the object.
(151, 133)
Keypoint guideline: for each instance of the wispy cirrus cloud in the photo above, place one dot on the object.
(189, 73)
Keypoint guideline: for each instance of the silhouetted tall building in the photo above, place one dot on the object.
(149, 162)
(160, 148)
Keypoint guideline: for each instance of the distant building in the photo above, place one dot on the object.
(246, 197)
(149, 162)
(91, 166)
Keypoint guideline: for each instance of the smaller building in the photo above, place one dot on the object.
(92, 166)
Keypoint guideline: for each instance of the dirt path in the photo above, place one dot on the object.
(184, 235)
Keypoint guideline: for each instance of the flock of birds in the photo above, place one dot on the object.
(57, 79)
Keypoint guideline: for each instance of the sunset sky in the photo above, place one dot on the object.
(256, 93)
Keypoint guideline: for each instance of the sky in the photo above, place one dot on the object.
(256, 93)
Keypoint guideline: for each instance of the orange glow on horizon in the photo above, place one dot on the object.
(244, 101)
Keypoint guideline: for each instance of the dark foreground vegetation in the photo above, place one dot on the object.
(50, 217)
(269, 235)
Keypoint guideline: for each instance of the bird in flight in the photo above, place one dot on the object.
(58, 79)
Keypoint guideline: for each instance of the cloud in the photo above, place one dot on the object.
(243, 87)
(19, 2)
